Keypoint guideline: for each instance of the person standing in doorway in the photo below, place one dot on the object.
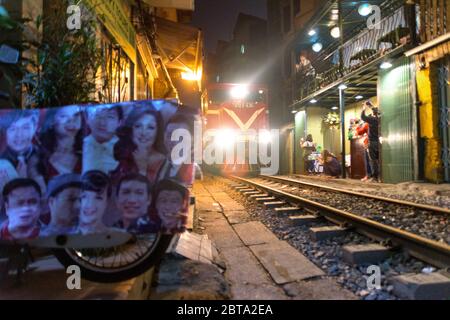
(374, 146)
(308, 147)
(362, 130)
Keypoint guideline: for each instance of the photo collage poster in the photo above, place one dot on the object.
(93, 168)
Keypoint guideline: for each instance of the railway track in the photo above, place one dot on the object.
(434, 252)
(355, 193)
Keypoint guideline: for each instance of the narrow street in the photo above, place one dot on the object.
(225, 151)
(258, 264)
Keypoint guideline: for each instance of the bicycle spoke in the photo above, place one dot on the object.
(106, 260)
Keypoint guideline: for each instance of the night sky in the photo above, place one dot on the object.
(217, 17)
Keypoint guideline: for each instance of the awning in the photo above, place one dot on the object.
(179, 45)
(116, 21)
(177, 4)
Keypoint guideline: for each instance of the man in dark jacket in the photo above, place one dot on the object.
(374, 147)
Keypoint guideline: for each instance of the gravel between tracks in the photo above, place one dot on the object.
(327, 254)
(428, 224)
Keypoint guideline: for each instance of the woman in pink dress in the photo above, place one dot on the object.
(139, 149)
(62, 140)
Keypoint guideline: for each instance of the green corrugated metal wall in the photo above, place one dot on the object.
(286, 152)
(300, 129)
(396, 123)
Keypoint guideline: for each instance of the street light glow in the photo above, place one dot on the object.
(311, 32)
(365, 9)
(386, 65)
(190, 76)
(317, 47)
(335, 32)
(342, 87)
(313, 101)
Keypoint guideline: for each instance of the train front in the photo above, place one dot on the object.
(236, 122)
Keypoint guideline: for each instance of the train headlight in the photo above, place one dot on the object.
(225, 138)
(265, 136)
(239, 92)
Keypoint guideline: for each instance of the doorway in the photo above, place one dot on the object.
(444, 114)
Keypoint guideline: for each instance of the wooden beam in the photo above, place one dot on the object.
(447, 9)
(427, 13)
(435, 18)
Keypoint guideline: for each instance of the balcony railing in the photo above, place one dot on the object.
(392, 32)
(434, 19)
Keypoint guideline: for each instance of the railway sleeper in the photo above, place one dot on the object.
(273, 204)
(365, 253)
(249, 193)
(283, 210)
(422, 286)
(246, 190)
(302, 220)
(324, 233)
(265, 199)
(313, 211)
(259, 195)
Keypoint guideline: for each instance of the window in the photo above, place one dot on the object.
(286, 19)
(288, 64)
(242, 49)
(297, 7)
(142, 81)
(117, 72)
(184, 16)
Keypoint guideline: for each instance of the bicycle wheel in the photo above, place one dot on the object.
(118, 263)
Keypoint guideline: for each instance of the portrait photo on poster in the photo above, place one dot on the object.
(91, 169)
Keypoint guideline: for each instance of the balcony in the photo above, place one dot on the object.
(434, 19)
(358, 58)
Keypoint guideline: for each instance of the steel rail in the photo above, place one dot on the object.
(359, 194)
(430, 251)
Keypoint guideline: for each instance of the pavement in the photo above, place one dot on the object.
(257, 264)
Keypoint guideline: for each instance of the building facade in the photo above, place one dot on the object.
(145, 46)
(244, 58)
(368, 51)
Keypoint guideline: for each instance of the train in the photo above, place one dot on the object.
(236, 117)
